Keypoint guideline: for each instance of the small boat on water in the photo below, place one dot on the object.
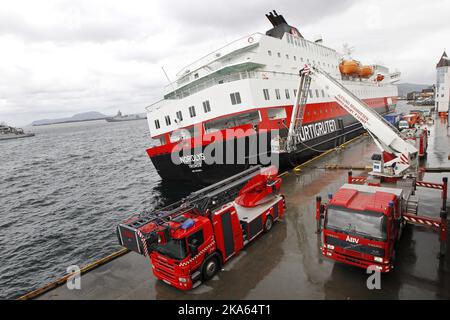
(128, 117)
(7, 132)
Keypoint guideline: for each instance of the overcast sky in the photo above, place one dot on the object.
(62, 57)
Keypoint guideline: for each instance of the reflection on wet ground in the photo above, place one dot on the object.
(286, 263)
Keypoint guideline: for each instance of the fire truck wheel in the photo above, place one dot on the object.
(269, 223)
(210, 268)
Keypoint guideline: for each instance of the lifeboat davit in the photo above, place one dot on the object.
(365, 72)
(380, 77)
(349, 67)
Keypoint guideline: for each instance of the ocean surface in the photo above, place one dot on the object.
(63, 192)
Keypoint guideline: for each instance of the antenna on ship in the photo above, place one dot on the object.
(167, 77)
(348, 51)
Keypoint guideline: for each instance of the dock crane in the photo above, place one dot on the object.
(399, 157)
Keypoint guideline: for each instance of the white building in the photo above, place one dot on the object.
(442, 103)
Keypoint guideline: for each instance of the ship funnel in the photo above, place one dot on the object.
(280, 26)
(275, 19)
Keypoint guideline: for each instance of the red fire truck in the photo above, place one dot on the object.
(189, 241)
(363, 223)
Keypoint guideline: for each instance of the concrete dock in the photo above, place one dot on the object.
(286, 262)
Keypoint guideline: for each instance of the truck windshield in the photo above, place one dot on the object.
(364, 224)
(174, 248)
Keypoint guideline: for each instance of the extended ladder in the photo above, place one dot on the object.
(139, 232)
(298, 109)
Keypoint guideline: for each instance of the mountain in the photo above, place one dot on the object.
(405, 88)
(85, 116)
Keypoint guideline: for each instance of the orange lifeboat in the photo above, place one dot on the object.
(380, 77)
(349, 67)
(365, 72)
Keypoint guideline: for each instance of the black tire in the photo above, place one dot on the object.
(210, 268)
(268, 224)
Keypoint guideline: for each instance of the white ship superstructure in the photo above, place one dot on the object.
(253, 81)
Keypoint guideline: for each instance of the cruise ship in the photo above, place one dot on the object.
(232, 108)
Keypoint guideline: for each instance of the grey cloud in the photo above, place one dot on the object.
(242, 15)
(74, 21)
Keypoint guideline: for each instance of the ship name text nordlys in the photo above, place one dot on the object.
(314, 130)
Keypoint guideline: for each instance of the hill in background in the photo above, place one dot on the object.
(404, 88)
(85, 116)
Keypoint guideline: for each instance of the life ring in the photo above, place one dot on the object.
(250, 40)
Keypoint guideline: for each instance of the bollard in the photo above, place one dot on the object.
(444, 193)
(350, 178)
(443, 234)
(318, 207)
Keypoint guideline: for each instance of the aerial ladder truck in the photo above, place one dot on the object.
(399, 156)
(364, 219)
(188, 241)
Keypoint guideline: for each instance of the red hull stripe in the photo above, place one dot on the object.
(313, 113)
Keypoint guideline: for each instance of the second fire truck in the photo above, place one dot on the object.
(364, 219)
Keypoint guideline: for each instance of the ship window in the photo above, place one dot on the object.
(182, 134)
(310, 93)
(277, 94)
(192, 111)
(157, 125)
(287, 56)
(156, 142)
(269, 52)
(235, 98)
(276, 113)
(295, 58)
(167, 120)
(206, 106)
(286, 91)
(301, 59)
(266, 94)
(279, 55)
(179, 116)
(251, 118)
(295, 92)
(317, 93)
(196, 75)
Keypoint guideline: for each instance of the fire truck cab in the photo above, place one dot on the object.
(363, 224)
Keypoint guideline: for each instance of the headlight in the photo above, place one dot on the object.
(181, 279)
(378, 259)
(330, 246)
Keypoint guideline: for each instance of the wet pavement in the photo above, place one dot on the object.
(286, 262)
